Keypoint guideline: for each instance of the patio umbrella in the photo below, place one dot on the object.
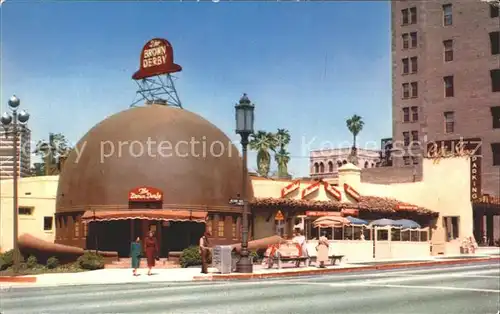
(356, 221)
(408, 224)
(331, 222)
(385, 222)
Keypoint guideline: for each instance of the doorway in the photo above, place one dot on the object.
(176, 236)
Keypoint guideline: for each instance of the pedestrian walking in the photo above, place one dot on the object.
(204, 252)
(322, 249)
(151, 248)
(135, 254)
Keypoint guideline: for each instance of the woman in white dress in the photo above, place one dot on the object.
(322, 249)
(300, 239)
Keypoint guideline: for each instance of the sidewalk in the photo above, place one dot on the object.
(121, 276)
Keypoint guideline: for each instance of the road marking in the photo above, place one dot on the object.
(434, 287)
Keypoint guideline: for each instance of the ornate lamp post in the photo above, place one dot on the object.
(244, 127)
(14, 125)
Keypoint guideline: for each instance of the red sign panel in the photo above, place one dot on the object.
(350, 212)
(320, 213)
(310, 189)
(145, 194)
(295, 185)
(157, 57)
(351, 192)
(332, 191)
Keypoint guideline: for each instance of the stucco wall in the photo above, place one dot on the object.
(36, 192)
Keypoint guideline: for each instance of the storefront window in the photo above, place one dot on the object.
(414, 235)
(348, 234)
(357, 231)
(395, 234)
(405, 235)
(76, 226)
(367, 233)
(220, 227)
(382, 235)
(423, 236)
(337, 234)
(233, 228)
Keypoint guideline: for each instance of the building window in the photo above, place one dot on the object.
(413, 36)
(406, 114)
(330, 166)
(406, 138)
(414, 89)
(449, 122)
(316, 168)
(47, 223)
(406, 65)
(414, 136)
(414, 114)
(406, 160)
(406, 90)
(405, 16)
(449, 90)
(495, 80)
(76, 226)
(413, 15)
(414, 65)
(406, 41)
(451, 227)
(26, 211)
(494, 11)
(447, 15)
(448, 50)
(321, 167)
(234, 230)
(415, 160)
(220, 227)
(85, 229)
(495, 114)
(495, 148)
(495, 43)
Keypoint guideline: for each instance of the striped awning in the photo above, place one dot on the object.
(162, 214)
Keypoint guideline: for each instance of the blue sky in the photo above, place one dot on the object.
(307, 66)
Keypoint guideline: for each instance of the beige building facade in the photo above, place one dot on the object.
(37, 203)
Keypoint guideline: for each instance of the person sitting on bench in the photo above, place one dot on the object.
(300, 239)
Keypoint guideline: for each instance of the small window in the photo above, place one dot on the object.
(495, 114)
(447, 15)
(316, 168)
(495, 80)
(405, 17)
(414, 136)
(406, 160)
(413, 36)
(415, 160)
(406, 90)
(76, 226)
(406, 41)
(414, 89)
(449, 122)
(449, 90)
(366, 164)
(321, 167)
(406, 66)
(413, 15)
(414, 65)
(220, 227)
(448, 50)
(495, 148)
(406, 138)
(494, 11)
(330, 166)
(26, 211)
(47, 223)
(234, 230)
(414, 114)
(406, 114)
(495, 43)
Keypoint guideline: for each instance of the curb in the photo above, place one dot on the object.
(318, 271)
(22, 279)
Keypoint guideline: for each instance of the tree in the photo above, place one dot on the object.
(50, 151)
(355, 125)
(263, 142)
(282, 157)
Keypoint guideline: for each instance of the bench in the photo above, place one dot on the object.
(334, 258)
(285, 252)
(280, 259)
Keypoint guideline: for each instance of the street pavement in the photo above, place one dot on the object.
(472, 288)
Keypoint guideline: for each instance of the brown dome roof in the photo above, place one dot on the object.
(99, 175)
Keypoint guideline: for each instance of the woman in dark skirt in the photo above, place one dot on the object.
(151, 248)
(135, 254)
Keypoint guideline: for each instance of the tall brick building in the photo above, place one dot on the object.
(446, 82)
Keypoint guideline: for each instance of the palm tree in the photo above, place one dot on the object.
(355, 125)
(263, 142)
(282, 157)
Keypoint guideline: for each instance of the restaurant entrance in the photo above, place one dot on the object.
(178, 235)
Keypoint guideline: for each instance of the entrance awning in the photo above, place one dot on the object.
(164, 214)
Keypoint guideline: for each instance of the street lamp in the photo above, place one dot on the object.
(14, 124)
(244, 127)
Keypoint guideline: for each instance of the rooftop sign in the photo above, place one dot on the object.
(157, 58)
